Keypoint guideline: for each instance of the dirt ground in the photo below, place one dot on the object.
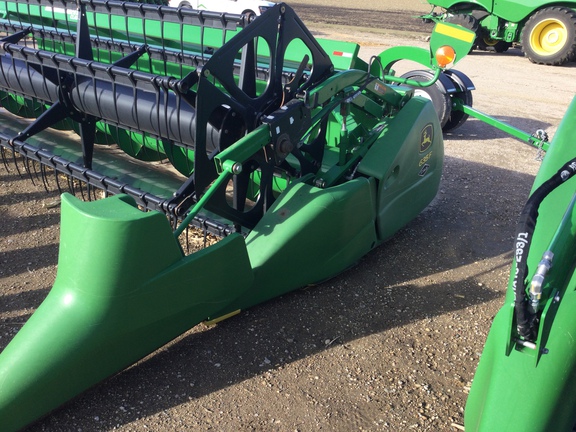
(391, 344)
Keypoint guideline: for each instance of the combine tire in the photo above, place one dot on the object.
(486, 43)
(549, 36)
(467, 21)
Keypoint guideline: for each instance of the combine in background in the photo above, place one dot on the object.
(545, 29)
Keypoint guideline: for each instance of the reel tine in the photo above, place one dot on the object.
(78, 189)
(27, 168)
(70, 181)
(44, 176)
(81, 190)
(4, 158)
(94, 191)
(35, 168)
(15, 161)
(205, 234)
(57, 181)
(89, 192)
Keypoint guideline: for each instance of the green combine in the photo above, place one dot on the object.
(546, 29)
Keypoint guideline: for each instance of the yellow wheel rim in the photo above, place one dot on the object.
(548, 37)
(490, 42)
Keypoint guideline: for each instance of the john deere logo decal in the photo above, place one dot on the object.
(426, 137)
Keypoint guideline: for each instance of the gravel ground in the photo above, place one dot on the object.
(391, 344)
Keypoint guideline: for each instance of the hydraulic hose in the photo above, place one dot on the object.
(526, 319)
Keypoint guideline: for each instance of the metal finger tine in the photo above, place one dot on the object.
(70, 181)
(91, 192)
(44, 176)
(80, 184)
(35, 164)
(57, 181)
(28, 170)
(4, 160)
(14, 159)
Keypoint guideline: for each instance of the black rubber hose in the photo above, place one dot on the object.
(525, 320)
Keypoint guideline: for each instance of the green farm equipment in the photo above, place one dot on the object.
(296, 154)
(527, 373)
(545, 29)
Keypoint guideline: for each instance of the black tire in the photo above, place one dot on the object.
(249, 15)
(467, 21)
(458, 118)
(487, 44)
(549, 36)
(436, 93)
(464, 87)
(464, 20)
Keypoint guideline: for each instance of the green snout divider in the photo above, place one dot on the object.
(123, 289)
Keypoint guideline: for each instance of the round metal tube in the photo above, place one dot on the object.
(16, 76)
(162, 114)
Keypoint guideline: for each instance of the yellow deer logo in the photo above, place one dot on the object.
(426, 137)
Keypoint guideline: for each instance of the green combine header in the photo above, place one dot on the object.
(297, 155)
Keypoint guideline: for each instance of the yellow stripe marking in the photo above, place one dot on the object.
(456, 33)
(221, 318)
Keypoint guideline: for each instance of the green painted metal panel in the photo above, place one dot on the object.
(517, 387)
(519, 10)
(115, 300)
(407, 164)
(448, 4)
(310, 234)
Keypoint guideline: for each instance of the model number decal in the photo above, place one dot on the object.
(425, 159)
